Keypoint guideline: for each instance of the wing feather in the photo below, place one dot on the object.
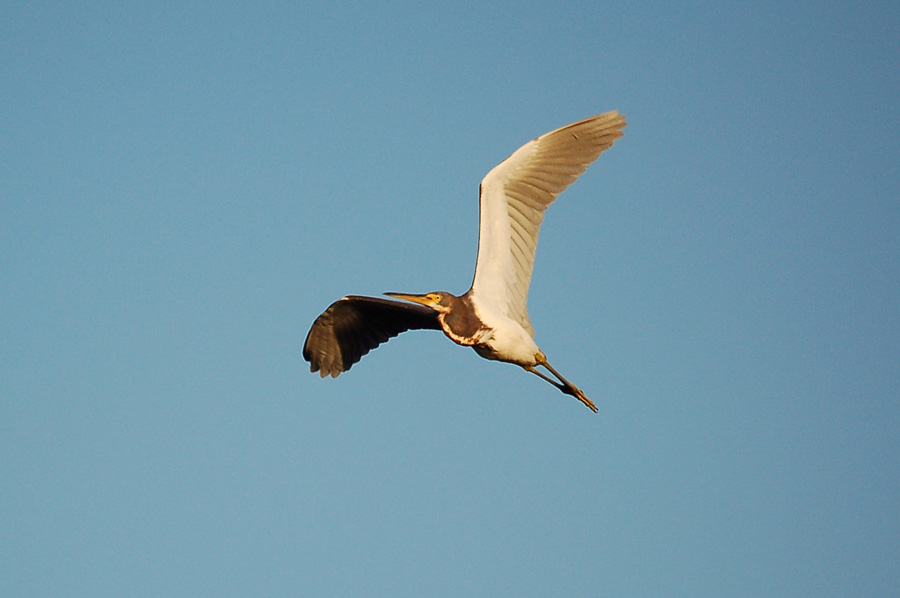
(514, 196)
(352, 326)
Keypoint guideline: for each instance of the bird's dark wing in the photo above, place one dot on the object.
(353, 326)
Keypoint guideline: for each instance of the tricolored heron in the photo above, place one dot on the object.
(492, 316)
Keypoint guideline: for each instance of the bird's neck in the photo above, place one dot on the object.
(460, 323)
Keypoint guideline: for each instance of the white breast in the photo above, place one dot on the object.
(505, 339)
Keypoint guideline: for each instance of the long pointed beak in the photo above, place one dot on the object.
(420, 299)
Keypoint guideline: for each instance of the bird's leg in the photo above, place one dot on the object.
(564, 385)
(567, 387)
(540, 374)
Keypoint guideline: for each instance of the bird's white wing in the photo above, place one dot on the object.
(514, 196)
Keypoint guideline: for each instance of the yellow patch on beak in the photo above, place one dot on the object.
(426, 300)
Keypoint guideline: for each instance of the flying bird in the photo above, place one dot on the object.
(492, 316)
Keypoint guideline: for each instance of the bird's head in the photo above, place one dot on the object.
(439, 301)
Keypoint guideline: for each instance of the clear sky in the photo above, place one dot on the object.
(185, 186)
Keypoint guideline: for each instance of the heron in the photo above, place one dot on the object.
(492, 316)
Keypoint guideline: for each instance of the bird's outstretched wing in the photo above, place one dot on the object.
(514, 196)
(353, 326)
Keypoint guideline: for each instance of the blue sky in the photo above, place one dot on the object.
(184, 187)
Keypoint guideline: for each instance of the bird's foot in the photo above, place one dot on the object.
(565, 386)
(578, 394)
